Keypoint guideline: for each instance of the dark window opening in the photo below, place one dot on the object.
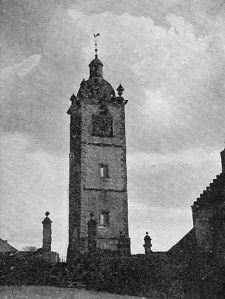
(102, 123)
(102, 126)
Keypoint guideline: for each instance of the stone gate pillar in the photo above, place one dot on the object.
(148, 244)
(47, 233)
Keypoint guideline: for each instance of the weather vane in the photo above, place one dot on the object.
(96, 45)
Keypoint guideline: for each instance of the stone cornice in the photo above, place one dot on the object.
(110, 190)
(119, 101)
(101, 144)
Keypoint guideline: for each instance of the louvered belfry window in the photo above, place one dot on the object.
(102, 123)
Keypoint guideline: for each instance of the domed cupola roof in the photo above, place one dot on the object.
(96, 68)
(95, 61)
(96, 86)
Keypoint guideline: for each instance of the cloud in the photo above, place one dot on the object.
(170, 60)
(194, 157)
(32, 182)
(23, 68)
(8, 75)
(170, 180)
(161, 190)
(167, 71)
(157, 221)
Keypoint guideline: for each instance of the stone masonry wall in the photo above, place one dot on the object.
(74, 181)
(116, 111)
(87, 191)
(110, 201)
(203, 229)
(110, 155)
(104, 194)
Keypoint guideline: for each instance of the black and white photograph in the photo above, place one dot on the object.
(112, 149)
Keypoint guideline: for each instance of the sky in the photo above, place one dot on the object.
(170, 58)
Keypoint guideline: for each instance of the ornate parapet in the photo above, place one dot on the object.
(205, 212)
(213, 195)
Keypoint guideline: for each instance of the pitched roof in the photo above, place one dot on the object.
(184, 249)
(5, 247)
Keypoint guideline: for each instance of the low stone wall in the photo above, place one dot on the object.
(156, 276)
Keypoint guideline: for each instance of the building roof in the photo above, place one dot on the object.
(97, 88)
(6, 247)
(184, 249)
(95, 62)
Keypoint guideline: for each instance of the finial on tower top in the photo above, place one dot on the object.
(120, 90)
(46, 214)
(96, 65)
(96, 44)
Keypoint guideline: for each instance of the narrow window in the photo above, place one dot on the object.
(104, 172)
(104, 219)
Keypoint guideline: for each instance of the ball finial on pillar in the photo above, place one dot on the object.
(148, 244)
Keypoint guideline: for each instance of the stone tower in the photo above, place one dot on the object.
(47, 233)
(97, 162)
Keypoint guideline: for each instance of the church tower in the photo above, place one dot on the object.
(97, 166)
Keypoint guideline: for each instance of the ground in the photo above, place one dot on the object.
(45, 292)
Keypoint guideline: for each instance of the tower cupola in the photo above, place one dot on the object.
(96, 67)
